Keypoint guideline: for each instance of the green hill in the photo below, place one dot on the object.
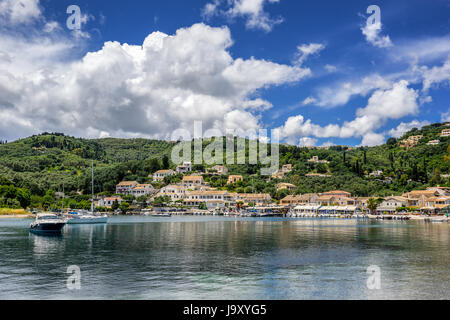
(59, 162)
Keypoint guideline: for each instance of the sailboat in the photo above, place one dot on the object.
(90, 217)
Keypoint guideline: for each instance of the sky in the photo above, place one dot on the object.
(321, 72)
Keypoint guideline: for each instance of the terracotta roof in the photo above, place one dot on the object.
(127, 183)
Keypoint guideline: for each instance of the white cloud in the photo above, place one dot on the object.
(436, 75)
(306, 50)
(445, 116)
(252, 10)
(19, 11)
(309, 100)
(372, 33)
(393, 103)
(131, 90)
(307, 142)
(403, 127)
(330, 68)
(342, 92)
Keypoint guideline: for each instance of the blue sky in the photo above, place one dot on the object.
(313, 69)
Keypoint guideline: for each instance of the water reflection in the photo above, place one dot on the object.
(228, 258)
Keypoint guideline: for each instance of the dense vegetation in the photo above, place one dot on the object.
(32, 169)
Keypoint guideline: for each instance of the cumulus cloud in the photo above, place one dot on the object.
(16, 12)
(306, 50)
(372, 33)
(146, 90)
(307, 142)
(403, 127)
(393, 103)
(445, 117)
(252, 10)
(436, 75)
(341, 93)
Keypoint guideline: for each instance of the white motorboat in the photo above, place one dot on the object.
(47, 223)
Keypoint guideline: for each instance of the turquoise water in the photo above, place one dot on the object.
(227, 258)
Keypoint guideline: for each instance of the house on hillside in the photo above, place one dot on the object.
(161, 174)
(125, 187)
(234, 179)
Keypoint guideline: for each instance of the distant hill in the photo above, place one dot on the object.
(56, 161)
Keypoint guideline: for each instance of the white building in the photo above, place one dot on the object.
(142, 190)
(108, 201)
(161, 174)
(125, 187)
(184, 168)
(173, 191)
(391, 204)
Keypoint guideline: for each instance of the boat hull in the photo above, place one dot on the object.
(93, 220)
(47, 227)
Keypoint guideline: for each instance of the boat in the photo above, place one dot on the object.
(89, 217)
(47, 223)
(161, 212)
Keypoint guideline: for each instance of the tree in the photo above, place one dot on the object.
(165, 162)
(372, 205)
(115, 205)
(124, 207)
(24, 197)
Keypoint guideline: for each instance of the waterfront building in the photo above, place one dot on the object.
(108, 201)
(175, 192)
(258, 199)
(390, 204)
(303, 199)
(211, 198)
(125, 187)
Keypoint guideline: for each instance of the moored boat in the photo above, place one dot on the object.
(47, 223)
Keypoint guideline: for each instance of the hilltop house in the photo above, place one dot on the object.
(283, 185)
(161, 174)
(433, 142)
(184, 168)
(192, 181)
(125, 187)
(218, 169)
(315, 159)
(234, 179)
(410, 141)
(445, 133)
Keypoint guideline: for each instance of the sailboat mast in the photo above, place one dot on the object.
(92, 173)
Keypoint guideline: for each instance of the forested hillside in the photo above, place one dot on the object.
(55, 162)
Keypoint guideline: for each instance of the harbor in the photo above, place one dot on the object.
(220, 257)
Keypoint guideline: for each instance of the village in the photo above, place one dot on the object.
(193, 195)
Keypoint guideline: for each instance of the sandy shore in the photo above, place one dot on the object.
(16, 216)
